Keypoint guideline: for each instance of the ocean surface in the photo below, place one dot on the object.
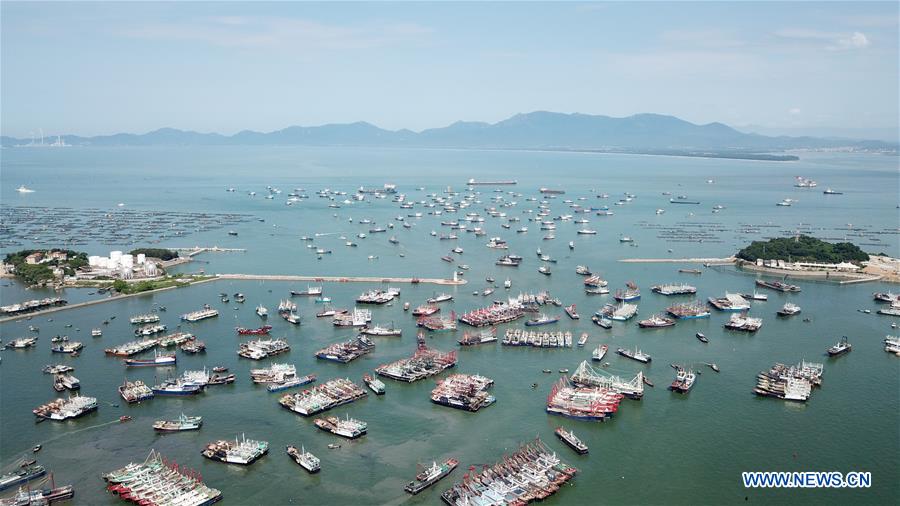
(664, 449)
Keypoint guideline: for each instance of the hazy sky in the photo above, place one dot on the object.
(110, 67)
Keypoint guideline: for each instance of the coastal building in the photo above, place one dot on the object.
(807, 266)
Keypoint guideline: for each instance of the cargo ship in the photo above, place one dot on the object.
(328, 395)
(132, 348)
(194, 316)
(243, 452)
(304, 459)
(135, 391)
(182, 423)
(582, 402)
(424, 363)
(347, 351)
(349, 428)
(688, 310)
(260, 349)
(674, 289)
(64, 409)
(146, 482)
(158, 360)
(24, 473)
(531, 473)
(730, 302)
(570, 439)
(428, 477)
(656, 321)
(374, 384)
(778, 285)
(480, 337)
(463, 391)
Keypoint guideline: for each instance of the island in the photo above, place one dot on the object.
(806, 256)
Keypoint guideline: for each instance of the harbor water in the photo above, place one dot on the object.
(664, 449)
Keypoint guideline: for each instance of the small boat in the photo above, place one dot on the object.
(544, 270)
(546, 371)
(125, 418)
(602, 321)
(36, 448)
(219, 368)
(262, 311)
(542, 320)
(583, 339)
(563, 370)
(431, 475)
(570, 310)
(713, 366)
(702, 337)
(599, 352)
(333, 446)
(305, 459)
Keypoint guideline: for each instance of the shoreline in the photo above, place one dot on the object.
(840, 277)
(238, 277)
(712, 261)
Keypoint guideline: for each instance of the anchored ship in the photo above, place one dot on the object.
(428, 477)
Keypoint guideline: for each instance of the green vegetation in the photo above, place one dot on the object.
(803, 249)
(33, 274)
(161, 253)
(147, 285)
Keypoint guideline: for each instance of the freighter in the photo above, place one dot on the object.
(347, 351)
(492, 315)
(244, 451)
(730, 302)
(132, 348)
(777, 285)
(63, 409)
(571, 440)
(144, 318)
(158, 360)
(193, 316)
(25, 472)
(532, 473)
(424, 363)
(260, 349)
(135, 391)
(304, 459)
(349, 428)
(582, 403)
(743, 322)
(182, 423)
(656, 321)
(587, 376)
(463, 391)
(480, 337)
(156, 479)
(428, 477)
(688, 310)
(674, 289)
(317, 399)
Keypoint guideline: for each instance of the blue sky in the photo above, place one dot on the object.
(96, 68)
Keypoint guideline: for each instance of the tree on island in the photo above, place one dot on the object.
(803, 249)
(160, 253)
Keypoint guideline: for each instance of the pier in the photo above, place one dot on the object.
(711, 261)
(340, 279)
(196, 250)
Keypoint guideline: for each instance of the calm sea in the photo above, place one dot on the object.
(664, 449)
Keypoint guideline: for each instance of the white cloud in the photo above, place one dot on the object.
(833, 41)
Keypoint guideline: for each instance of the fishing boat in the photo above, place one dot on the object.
(311, 291)
(135, 391)
(684, 381)
(260, 331)
(744, 323)
(674, 289)
(583, 270)
(176, 386)
(778, 285)
(182, 423)
(599, 352)
(243, 452)
(439, 298)
(291, 383)
(840, 348)
(570, 439)
(24, 473)
(829, 191)
(544, 270)
(305, 459)
(64, 409)
(602, 321)
(636, 354)
(573, 314)
(262, 311)
(542, 320)
(67, 347)
(428, 477)
(630, 293)
(730, 302)
(688, 310)
(481, 337)
(195, 316)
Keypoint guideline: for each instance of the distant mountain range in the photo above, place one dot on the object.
(641, 133)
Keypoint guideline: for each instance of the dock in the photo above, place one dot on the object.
(711, 261)
(340, 279)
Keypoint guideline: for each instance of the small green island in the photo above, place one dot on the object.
(804, 249)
